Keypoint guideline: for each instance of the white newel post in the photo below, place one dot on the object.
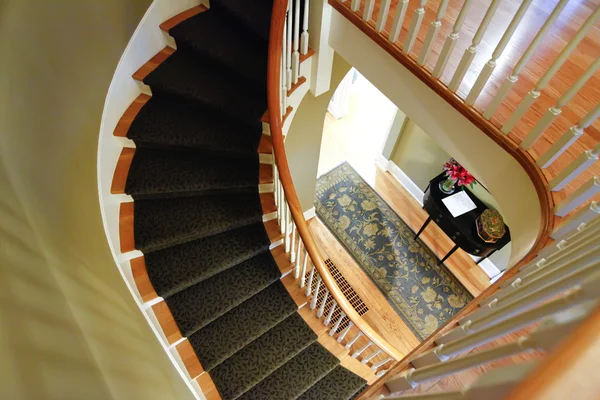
(398, 20)
(415, 25)
(304, 40)
(432, 33)
(554, 112)
(384, 9)
(514, 76)
(489, 67)
(471, 51)
(532, 96)
(566, 140)
(451, 40)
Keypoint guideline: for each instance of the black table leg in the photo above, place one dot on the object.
(423, 227)
(448, 255)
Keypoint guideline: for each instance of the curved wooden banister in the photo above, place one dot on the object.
(274, 105)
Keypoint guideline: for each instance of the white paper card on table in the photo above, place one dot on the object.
(459, 203)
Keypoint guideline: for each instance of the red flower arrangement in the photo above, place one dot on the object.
(458, 173)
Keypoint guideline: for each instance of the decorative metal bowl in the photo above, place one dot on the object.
(490, 226)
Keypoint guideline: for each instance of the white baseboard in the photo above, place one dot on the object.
(405, 181)
(310, 213)
(383, 162)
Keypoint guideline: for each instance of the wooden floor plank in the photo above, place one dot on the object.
(176, 20)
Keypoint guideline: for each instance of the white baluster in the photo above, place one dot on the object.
(368, 11)
(304, 265)
(398, 20)
(355, 5)
(362, 349)
(432, 33)
(384, 9)
(568, 138)
(275, 182)
(313, 303)
(489, 67)
(337, 325)
(288, 54)
(451, 40)
(297, 262)
(573, 170)
(578, 197)
(350, 343)
(288, 228)
(471, 51)
(294, 246)
(375, 367)
(379, 374)
(345, 332)
(514, 76)
(532, 96)
(284, 82)
(554, 112)
(582, 216)
(283, 96)
(372, 356)
(415, 24)
(308, 290)
(330, 313)
(321, 309)
(283, 218)
(296, 53)
(304, 40)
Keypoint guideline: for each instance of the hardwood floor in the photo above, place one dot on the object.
(567, 24)
(381, 316)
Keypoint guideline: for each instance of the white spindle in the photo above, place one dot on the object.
(451, 40)
(313, 303)
(380, 364)
(294, 243)
(384, 9)
(284, 60)
(304, 40)
(381, 373)
(554, 111)
(573, 170)
(368, 11)
(275, 182)
(362, 349)
(398, 20)
(514, 76)
(415, 25)
(308, 290)
(568, 138)
(582, 216)
(432, 33)
(489, 67)
(355, 5)
(372, 356)
(321, 309)
(288, 228)
(297, 265)
(350, 343)
(471, 51)
(296, 44)
(532, 96)
(578, 197)
(345, 332)
(304, 266)
(283, 87)
(283, 223)
(337, 324)
(330, 313)
(288, 54)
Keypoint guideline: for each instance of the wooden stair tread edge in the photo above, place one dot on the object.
(208, 387)
(273, 230)
(295, 291)
(265, 174)
(142, 280)
(126, 225)
(309, 54)
(122, 170)
(190, 359)
(182, 16)
(282, 259)
(301, 81)
(129, 115)
(167, 322)
(267, 202)
(266, 145)
(151, 64)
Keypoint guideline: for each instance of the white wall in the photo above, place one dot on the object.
(501, 174)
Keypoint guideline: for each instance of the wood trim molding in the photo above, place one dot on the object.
(276, 125)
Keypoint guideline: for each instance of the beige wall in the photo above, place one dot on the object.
(303, 141)
(69, 328)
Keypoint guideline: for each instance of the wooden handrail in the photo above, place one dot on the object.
(274, 93)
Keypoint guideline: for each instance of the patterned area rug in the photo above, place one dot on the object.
(404, 270)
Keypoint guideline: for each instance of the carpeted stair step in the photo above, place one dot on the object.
(339, 384)
(173, 123)
(175, 268)
(192, 78)
(232, 331)
(296, 376)
(246, 368)
(255, 14)
(198, 305)
(164, 173)
(163, 223)
(216, 35)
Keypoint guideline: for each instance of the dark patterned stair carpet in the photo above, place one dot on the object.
(224, 337)
(296, 376)
(338, 384)
(261, 357)
(198, 216)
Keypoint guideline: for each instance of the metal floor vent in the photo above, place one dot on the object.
(348, 291)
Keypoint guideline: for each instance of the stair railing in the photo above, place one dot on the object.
(310, 270)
